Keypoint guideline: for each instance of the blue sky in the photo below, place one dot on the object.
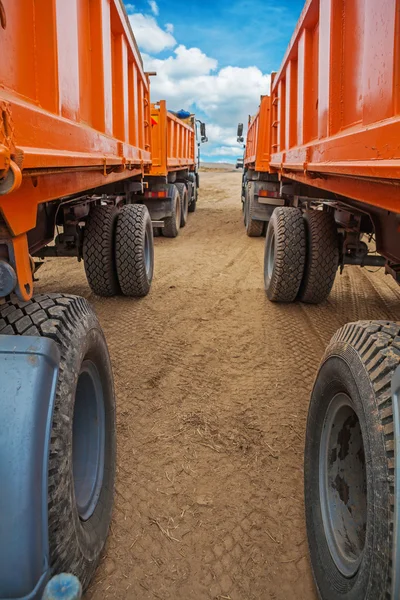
(213, 58)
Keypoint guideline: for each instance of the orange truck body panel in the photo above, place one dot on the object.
(74, 106)
(335, 103)
(172, 142)
(258, 138)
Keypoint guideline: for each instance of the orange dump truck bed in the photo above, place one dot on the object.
(74, 108)
(334, 119)
(172, 141)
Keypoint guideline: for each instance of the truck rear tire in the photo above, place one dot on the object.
(173, 223)
(195, 195)
(285, 252)
(183, 194)
(83, 439)
(322, 257)
(349, 474)
(253, 228)
(134, 250)
(98, 251)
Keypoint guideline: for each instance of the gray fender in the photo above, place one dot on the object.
(28, 379)
(263, 207)
(160, 208)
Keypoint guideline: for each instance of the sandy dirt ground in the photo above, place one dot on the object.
(212, 384)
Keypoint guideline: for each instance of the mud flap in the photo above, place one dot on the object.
(396, 524)
(28, 379)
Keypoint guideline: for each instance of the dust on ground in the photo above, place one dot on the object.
(213, 383)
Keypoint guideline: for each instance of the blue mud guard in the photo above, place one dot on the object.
(28, 379)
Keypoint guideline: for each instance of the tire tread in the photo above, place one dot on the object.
(322, 257)
(289, 256)
(98, 251)
(129, 250)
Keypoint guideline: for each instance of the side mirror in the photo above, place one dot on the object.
(204, 139)
(240, 137)
(203, 130)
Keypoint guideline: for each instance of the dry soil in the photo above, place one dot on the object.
(212, 384)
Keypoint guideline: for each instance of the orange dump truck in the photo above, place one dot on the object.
(75, 141)
(322, 170)
(173, 179)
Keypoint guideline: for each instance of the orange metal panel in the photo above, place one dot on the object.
(257, 152)
(73, 93)
(172, 141)
(335, 103)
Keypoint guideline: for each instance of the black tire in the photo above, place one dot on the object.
(173, 223)
(134, 250)
(77, 533)
(349, 463)
(98, 251)
(243, 190)
(183, 194)
(322, 258)
(194, 198)
(285, 252)
(253, 228)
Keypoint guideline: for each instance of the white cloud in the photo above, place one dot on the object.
(169, 28)
(154, 7)
(226, 96)
(187, 63)
(149, 35)
(223, 151)
(130, 8)
(190, 79)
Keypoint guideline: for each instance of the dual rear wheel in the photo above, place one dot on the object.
(301, 255)
(118, 250)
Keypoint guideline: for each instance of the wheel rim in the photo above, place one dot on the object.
(147, 253)
(88, 440)
(343, 485)
(270, 255)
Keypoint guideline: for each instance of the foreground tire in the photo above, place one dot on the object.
(349, 464)
(322, 258)
(134, 250)
(253, 228)
(173, 223)
(82, 449)
(98, 251)
(183, 194)
(285, 252)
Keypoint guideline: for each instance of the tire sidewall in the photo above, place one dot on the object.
(343, 371)
(80, 542)
(176, 209)
(246, 205)
(148, 229)
(270, 233)
(184, 206)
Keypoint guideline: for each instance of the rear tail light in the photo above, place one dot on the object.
(158, 194)
(268, 194)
